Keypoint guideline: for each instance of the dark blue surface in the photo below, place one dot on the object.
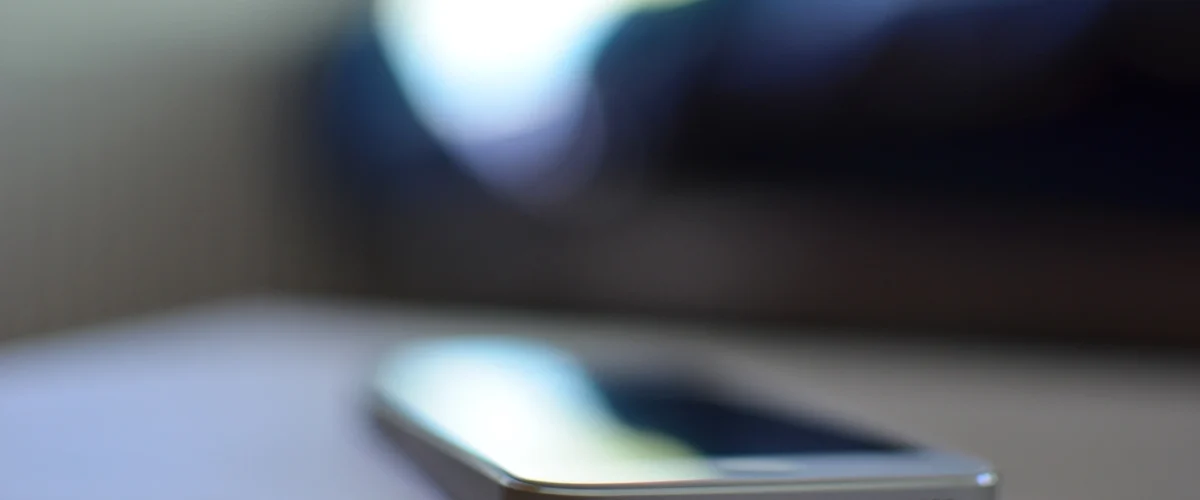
(685, 91)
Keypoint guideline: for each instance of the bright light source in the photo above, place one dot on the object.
(503, 85)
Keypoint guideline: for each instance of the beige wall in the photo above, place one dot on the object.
(144, 153)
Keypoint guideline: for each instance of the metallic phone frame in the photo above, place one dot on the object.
(465, 476)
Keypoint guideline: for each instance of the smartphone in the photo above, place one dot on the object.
(504, 418)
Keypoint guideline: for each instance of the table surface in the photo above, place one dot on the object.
(265, 398)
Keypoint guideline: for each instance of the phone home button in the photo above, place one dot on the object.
(759, 466)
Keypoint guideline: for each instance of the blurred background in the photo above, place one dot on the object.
(899, 203)
(1017, 167)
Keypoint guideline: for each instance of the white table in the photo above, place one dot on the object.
(263, 398)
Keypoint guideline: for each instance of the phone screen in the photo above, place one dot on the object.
(541, 415)
(716, 427)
